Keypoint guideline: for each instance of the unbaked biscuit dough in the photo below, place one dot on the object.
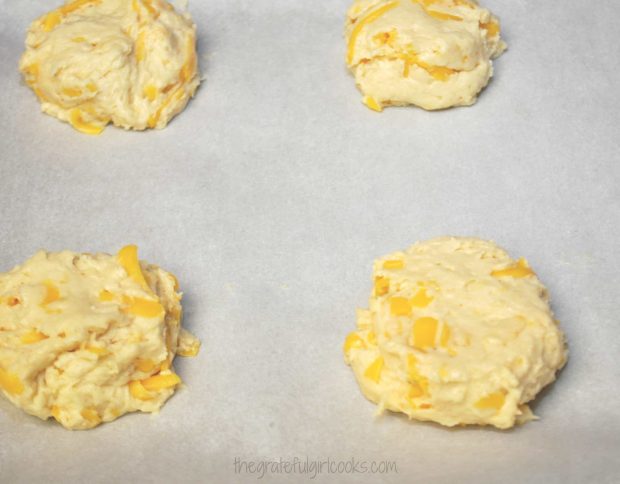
(457, 333)
(431, 53)
(86, 338)
(127, 62)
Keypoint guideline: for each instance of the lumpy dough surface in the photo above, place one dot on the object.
(87, 338)
(431, 53)
(127, 62)
(458, 333)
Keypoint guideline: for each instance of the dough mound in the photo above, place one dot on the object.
(127, 62)
(431, 53)
(457, 333)
(87, 338)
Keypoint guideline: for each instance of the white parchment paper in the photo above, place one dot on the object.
(271, 195)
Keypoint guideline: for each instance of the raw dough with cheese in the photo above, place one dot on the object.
(457, 333)
(86, 338)
(127, 62)
(431, 53)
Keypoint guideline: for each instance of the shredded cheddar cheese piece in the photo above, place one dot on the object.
(137, 390)
(421, 299)
(382, 286)
(52, 293)
(353, 340)
(72, 91)
(372, 103)
(424, 333)
(393, 264)
(97, 350)
(10, 383)
(444, 16)
(91, 415)
(77, 121)
(161, 382)
(400, 306)
(361, 23)
(51, 20)
(150, 92)
(373, 372)
(128, 258)
(106, 296)
(494, 401)
(491, 27)
(519, 270)
(145, 308)
(33, 336)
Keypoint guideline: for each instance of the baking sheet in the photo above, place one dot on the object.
(271, 195)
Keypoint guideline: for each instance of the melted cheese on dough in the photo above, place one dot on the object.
(457, 333)
(127, 62)
(431, 53)
(86, 338)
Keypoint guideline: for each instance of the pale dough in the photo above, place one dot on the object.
(431, 53)
(457, 333)
(127, 62)
(86, 338)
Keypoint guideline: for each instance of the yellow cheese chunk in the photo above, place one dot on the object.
(424, 333)
(400, 306)
(148, 4)
(10, 383)
(145, 308)
(97, 350)
(72, 91)
(75, 5)
(494, 401)
(77, 121)
(32, 336)
(421, 299)
(137, 390)
(140, 47)
(150, 92)
(353, 340)
(51, 20)
(91, 415)
(393, 264)
(444, 16)
(161, 382)
(519, 270)
(372, 103)
(373, 372)
(51, 293)
(382, 286)
(128, 258)
(492, 28)
(106, 296)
